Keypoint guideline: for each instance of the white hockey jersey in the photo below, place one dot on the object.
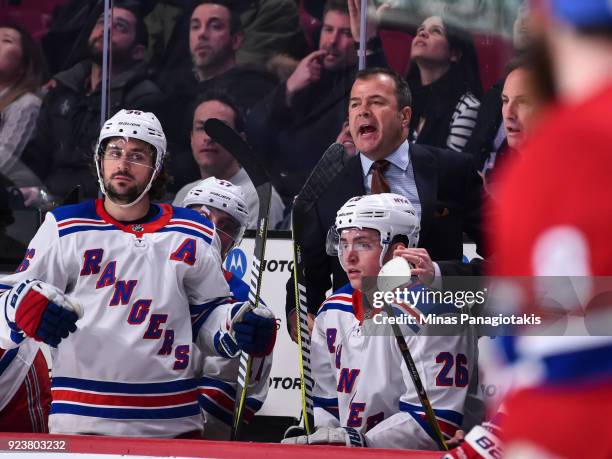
(362, 381)
(128, 369)
(217, 387)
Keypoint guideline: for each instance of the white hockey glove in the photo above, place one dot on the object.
(338, 436)
(252, 330)
(41, 311)
(482, 442)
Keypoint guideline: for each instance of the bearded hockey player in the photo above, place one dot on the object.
(111, 286)
(363, 393)
(224, 204)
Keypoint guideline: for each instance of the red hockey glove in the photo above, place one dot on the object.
(41, 311)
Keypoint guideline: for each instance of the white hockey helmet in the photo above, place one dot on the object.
(222, 195)
(388, 213)
(136, 125)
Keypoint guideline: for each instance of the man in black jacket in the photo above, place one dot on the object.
(292, 127)
(441, 184)
(215, 35)
(61, 150)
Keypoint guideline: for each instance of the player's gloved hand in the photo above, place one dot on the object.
(41, 311)
(340, 436)
(250, 330)
(481, 442)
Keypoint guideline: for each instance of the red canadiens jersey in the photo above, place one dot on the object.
(553, 217)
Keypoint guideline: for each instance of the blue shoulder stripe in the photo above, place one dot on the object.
(336, 307)
(347, 289)
(86, 209)
(77, 229)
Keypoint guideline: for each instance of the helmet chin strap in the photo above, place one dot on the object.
(383, 252)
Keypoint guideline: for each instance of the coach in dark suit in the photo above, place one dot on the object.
(441, 184)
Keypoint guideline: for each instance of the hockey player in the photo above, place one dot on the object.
(224, 204)
(111, 285)
(562, 182)
(363, 393)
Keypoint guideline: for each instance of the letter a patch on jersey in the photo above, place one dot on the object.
(186, 252)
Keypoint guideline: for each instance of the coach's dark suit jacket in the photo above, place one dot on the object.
(450, 195)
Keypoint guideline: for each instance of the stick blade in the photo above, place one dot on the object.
(326, 170)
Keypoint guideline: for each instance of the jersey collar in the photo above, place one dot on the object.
(137, 229)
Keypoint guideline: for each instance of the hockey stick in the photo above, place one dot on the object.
(399, 268)
(229, 139)
(325, 171)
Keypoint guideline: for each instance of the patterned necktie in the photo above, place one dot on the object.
(379, 182)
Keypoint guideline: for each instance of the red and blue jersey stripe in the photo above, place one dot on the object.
(218, 398)
(113, 400)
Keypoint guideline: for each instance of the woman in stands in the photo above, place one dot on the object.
(445, 82)
(20, 79)
(21, 72)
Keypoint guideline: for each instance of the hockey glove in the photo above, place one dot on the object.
(335, 436)
(40, 311)
(482, 442)
(250, 330)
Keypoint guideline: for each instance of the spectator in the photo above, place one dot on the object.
(292, 127)
(445, 83)
(21, 67)
(519, 104)
(61, 150)
(488, 136)
(215, 36)
(441, 185)
(66, 43)
(270, 27)
(215, 161)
